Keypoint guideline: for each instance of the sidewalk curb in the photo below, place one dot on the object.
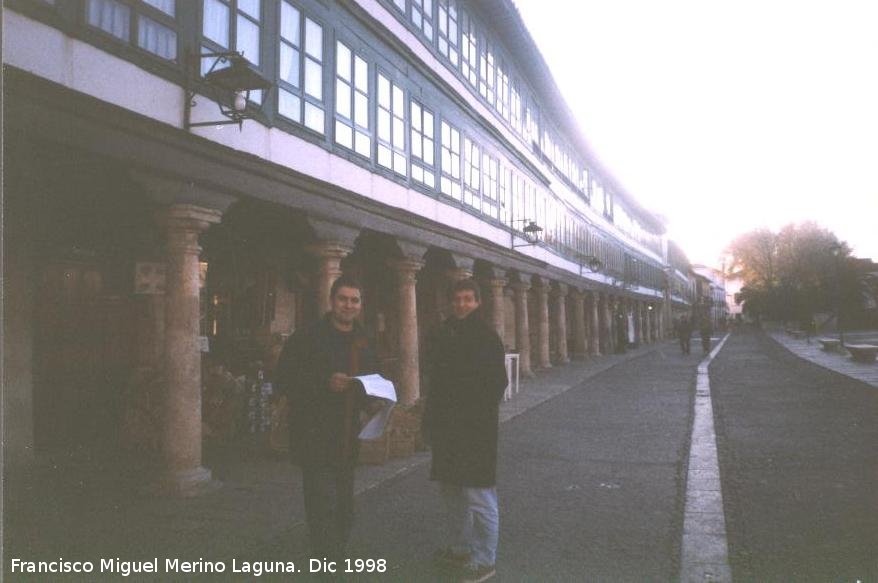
(704, 549)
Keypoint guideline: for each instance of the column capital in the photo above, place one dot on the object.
(498, 282)
(576, 293)
(560, 291)
(520, 286)
(458, 273)
(188, 217)
(329, 249)
(406, 269)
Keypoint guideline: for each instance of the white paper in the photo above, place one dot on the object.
(374, 428)
(380, 388)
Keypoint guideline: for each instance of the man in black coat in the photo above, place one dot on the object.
(315, 371)
(467, 372)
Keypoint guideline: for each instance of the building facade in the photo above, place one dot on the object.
(409, 142)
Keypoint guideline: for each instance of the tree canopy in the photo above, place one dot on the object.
(793, 273)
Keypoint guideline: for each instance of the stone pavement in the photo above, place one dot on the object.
(82, 507)
(797, 450)
(837, 361)
(591, 486)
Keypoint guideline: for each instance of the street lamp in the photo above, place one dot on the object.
(590, 262)
(233, 82)
(531, 233)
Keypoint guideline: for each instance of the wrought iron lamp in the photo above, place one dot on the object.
(590, 262)
(531, 232)
(233, 83)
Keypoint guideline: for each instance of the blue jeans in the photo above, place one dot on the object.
(473, 521)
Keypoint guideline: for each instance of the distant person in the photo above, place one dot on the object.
(705, 330)
(467, 371)
(315, 371)
(810, 329)
(684, 333)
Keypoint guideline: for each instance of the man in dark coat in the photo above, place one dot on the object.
(315, 371)
(705, 330)
(467, 372)
(684, 331)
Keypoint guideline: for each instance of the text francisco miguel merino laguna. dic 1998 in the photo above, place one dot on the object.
(254, 568)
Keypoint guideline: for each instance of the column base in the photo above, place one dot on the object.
(580, 356)
(184, 483)
(528, 374)
(562, 361)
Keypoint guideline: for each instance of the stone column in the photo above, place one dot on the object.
(409, 369)
(648, 322)
(580, 344)
(594, 345)
(661, 326)
(329, 254)
(635, 315)
(498, 307)
(181, 433)
(561, 323)
(607, 324)
(522, 328)
(543, 356)
(641, 327)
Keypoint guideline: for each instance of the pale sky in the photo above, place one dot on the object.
(726, 116)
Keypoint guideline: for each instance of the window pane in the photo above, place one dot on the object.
(289, 23)
(428, 152)
(343, 61)
(313, 79)
(428, 124)
(361, 110)
(399, 163)
(313, 39)
(110, 16)
(343, 135)
(383, 125)
(398, 135)
(248, 39)
(343, 98)
(397, 100)
(289, 64)
(289, 105)
(383, 92)
(157, 39)
(166, 6)
(384, 155)
(363, 144)
(216, 22)
(362, 74)
(314, 117)
(250, 7)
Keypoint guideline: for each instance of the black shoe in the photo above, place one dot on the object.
(448, 558)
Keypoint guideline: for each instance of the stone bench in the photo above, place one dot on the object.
(863, 352)
(830, 344)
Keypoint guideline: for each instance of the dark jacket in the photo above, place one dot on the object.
(318, 434)
(466, 366)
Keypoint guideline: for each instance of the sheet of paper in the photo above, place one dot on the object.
(378, 386)
(374, 428)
